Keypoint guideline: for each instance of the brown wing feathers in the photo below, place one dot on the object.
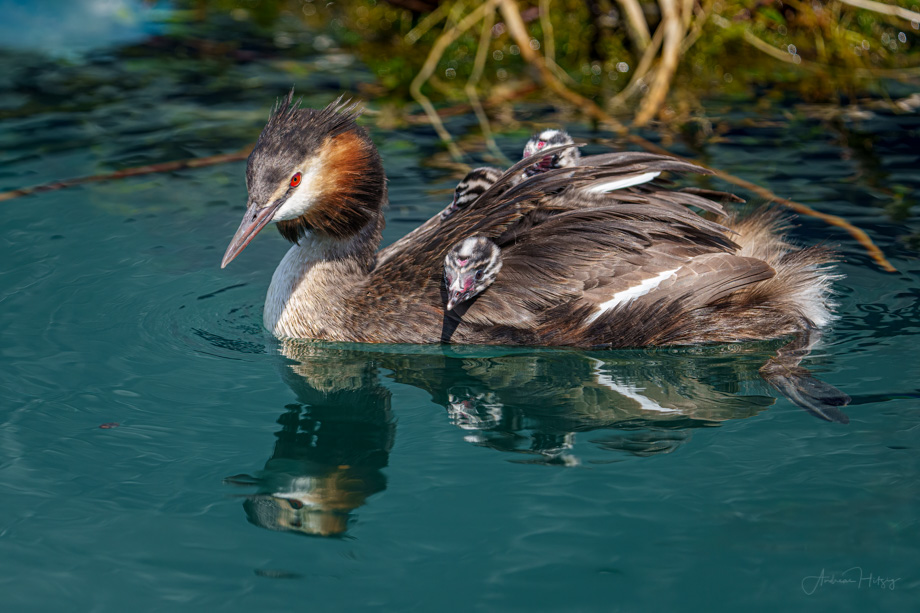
(566, 253)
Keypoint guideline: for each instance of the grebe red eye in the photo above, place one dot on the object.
(540, 145)
(295, 180)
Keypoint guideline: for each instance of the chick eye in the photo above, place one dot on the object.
(479, 275)
(295, 180)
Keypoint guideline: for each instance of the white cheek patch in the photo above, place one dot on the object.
(632, 293)
(303, 197)
(623, 183)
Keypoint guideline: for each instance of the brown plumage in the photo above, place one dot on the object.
(470, 188)
(634, 267)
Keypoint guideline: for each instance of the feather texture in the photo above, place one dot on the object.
(632, 267)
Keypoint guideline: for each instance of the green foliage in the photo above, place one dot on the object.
(817, 51)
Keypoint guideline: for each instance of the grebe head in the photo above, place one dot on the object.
(471, 187)
(469, 268)
(311, 171)
(550, 138)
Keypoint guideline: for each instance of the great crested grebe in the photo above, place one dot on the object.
(470, 188)
(470, 267)
(478, 180)
(550, 138)
(558, 148)
(630, 268)
(473, 264)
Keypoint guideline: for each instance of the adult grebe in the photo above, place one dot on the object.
(579, 266)
(629, 268)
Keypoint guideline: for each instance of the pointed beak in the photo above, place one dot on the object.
(253, 220)
(455, 294)
(453, 301)
(447, 212)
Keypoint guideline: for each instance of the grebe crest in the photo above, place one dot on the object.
(471, 187)
(636, 271)
(311, 172)
(550, 138)
(470, 267)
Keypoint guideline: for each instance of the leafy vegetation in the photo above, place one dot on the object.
(617, 53)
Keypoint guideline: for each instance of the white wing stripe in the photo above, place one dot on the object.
(612, 186)
(633, 292)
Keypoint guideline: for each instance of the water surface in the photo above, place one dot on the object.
(161, 450)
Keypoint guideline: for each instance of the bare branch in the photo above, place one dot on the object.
(137, 171)
(516, 27)
(645, 65)
(437, 51)
(427, 23)
(673, 35)
(549, 44)
(884, 9)
(478, 66)
(635, 20)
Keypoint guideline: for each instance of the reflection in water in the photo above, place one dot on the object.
(330, 450)
(536, 403)
(335, 441)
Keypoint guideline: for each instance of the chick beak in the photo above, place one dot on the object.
(253, 220)
(456, 293)
(450, 208)
(455, 299)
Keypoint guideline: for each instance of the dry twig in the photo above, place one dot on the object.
(431, 62)
(478, 66)
(427, 23)
(636, 24)
(638, 76)
(702, 16)
(137, 171)
(670, 53)
(673, 38)
(589, 108)
(884, 9)
(549, 43)
(815, 67)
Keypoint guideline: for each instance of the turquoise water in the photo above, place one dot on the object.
(160, 451)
